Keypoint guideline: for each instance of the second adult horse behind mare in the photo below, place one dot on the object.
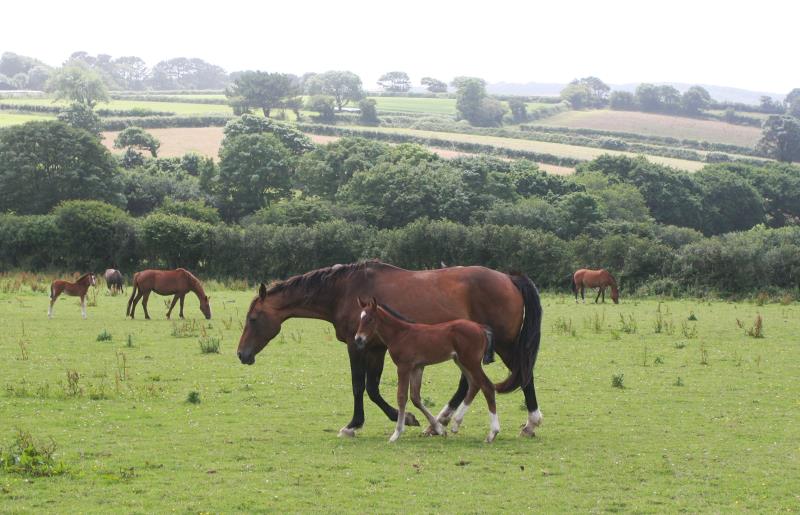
(176, 282)
(508, 303)
(601, 279)
(115, 282)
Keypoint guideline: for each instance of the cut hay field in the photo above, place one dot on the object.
(557, 149)
(206, 141)
(657, 125)
(707, 419)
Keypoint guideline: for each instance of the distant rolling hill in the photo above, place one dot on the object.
(720, 93)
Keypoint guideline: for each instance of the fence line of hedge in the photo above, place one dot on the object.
(165, 122)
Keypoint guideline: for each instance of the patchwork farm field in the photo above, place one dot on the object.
(179, 108)
(657, 125)
(12, 118)
(704, 418)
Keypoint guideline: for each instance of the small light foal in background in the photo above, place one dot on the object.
(413, 346)
(76, 289)
(586, 278)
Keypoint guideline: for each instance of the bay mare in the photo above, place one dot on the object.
(176, 282)
(601, 279)
(508, 303)
(76, 289)
(413, 346)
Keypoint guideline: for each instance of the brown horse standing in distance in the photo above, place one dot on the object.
(585, 278)
(76, 289)
(412, 346)
(114, 280)
(176, 282)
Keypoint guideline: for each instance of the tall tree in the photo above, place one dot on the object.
(648, 96)
(434, 85)
(695, 99)
(261, 90)
(780, 138)
(43, 163)
(343, 86)
(791, 97)
(183, 73)
(131, 72)
(519, 109)
(596, 91)
(395, 82)
(470, 92)
(577, 94)
(78, 83)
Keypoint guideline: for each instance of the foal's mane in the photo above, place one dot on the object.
(395, 313)
(311, 283)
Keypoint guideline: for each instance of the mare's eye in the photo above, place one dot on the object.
(253, 320)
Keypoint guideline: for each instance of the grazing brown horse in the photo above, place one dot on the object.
(176, 282)
(412, 346)
(508, 303)
(76, 289)
(585, 278)
(114, 280)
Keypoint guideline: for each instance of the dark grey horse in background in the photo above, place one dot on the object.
(115, 281)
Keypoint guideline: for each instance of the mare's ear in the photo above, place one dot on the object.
(373, 302)
(262, 291)
(361, 303)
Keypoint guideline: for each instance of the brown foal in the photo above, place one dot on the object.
(413, 346)
(76, 289)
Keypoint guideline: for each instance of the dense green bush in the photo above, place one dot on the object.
(175, 241)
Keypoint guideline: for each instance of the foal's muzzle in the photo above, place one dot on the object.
(360, 341)
(246, 358)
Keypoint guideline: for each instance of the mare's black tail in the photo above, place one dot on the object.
(530, 335)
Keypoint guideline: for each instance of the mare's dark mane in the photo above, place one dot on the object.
(310, 283)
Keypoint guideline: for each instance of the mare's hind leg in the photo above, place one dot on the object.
(447, 411)
(135, 301)
(416, 386)
(169, 311)
(145, 298)
(534, 415)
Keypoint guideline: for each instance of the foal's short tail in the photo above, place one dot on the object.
(527, 346)
(488, 353)
(133, 295)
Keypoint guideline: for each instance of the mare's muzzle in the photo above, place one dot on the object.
(360, 341)
(246, 358)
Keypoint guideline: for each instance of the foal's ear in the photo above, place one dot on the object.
(262, 291)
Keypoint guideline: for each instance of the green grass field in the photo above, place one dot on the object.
(706, 421)
(179, 108)
(657, 125)
(13, 118)
(433, 106)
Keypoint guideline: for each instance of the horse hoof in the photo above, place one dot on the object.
(490, 437)
(347, 432)
(411, 420)
(527, 432)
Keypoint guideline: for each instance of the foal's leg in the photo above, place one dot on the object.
(416, 386)
(447, 411)
(169, 311)
(488, 392)
(403, 373)
(52, 301)
(181, 299)
(83, 306)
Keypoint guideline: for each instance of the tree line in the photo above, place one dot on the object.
(275, 204)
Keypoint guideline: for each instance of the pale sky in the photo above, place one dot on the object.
(750, 45)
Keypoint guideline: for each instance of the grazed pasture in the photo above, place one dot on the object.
(706, 419)
(657, 125)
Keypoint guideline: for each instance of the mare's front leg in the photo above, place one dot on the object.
(583, 299)
(182, 297)
(375, 357)
(169, 311)
(358, 375)
(403, 374)
(599, 292)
